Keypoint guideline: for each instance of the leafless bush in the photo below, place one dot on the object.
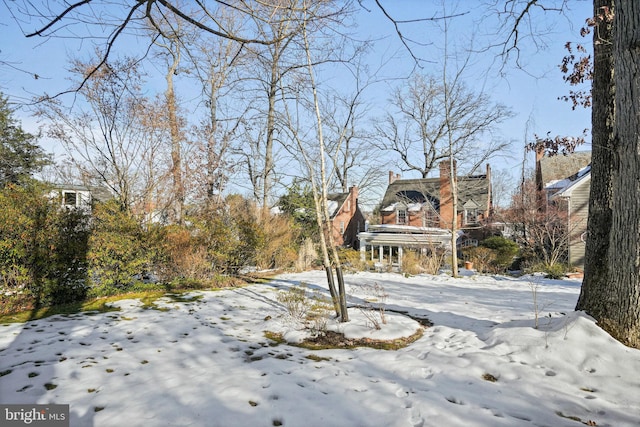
(428, 261)
(295, 301)
(482, 258)
(312, 309)
(374, 306)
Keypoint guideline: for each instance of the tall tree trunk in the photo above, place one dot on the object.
(268, 148)
(211, 148)
(622, 319)
(325, 218)
(612, 294)
(595, 282)
(174, 127)
(453, 173)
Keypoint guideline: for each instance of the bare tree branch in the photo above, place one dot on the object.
(397, 26)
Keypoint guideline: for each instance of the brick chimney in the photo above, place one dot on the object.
(353, 198)
(446, 198)
(393, 177)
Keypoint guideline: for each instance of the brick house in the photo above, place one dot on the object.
(346, 217)
(428, 202)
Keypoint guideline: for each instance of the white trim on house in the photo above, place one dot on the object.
(390, 240)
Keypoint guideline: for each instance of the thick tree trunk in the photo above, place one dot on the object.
(623, 320)
(602, 166)
(618, 308)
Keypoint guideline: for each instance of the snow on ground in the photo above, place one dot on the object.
(206, 362)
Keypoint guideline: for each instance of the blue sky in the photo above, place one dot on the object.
(531, 92)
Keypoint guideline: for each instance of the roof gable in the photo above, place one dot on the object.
(412, 191)
(557, 168)
(473, 188)
(583, 177)
(335, 202)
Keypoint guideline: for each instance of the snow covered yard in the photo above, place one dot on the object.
(206, 361)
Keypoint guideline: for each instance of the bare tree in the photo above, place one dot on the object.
(353, 157)
(214, 63)
(105, 25)
(542, 230)
(451, 142)
(501, 185)
(272, 58)
(312, 153)
(171, 46)
(435, 120)
(108, 141)
(277, 68)
(522, 24)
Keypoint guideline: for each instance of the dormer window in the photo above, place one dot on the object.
(471, 216)
(471, 213)
(70, 198)
(401, 216)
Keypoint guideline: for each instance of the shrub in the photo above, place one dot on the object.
(279, 248)
(240, 235)
(505, 251)
(429, 261)
(118, 250)
(482, 258)
(307, 256)
(295, 301)
(42, 248)
(312, 310)
(373, 309)
(411, 263)
(69, 264)
(553, 271)
(433, 261)
(180, 255)
(350, 259)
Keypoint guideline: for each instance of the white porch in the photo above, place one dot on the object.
(385, 244)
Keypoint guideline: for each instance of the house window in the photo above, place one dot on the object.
(471, 216)
(430, 217)
(70, 199)
(341, 227)
(401, 216)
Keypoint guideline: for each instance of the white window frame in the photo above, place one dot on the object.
(471, 216)
(75, 198)
(402, 212)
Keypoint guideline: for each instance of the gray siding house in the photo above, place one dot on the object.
(576, 196)
(566, 180)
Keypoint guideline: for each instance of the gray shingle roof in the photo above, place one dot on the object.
(559, 167)
(470, 188)
(339, 199)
